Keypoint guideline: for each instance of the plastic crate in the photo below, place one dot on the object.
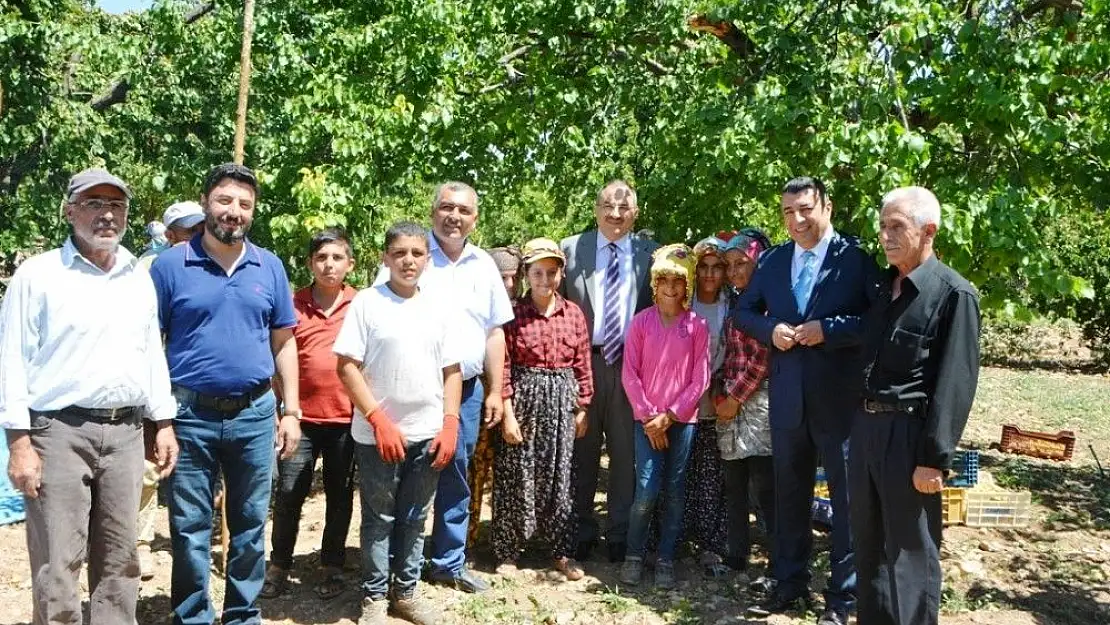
(1002, 508)
(822, 513)
(965, 467)
(1058, 446)
(953, 506)
(821, 484)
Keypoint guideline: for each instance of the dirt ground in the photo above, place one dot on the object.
(1054, 572)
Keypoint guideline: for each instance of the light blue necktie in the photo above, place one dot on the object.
(804, 284)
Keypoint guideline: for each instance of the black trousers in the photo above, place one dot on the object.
(897, 529)
(335, 444)
(746, 480)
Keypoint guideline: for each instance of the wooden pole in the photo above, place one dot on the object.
(244, 80)
(240, 144)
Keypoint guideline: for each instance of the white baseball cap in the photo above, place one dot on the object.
(183, 215)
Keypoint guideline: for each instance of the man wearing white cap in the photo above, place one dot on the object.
(182, 220)
(81, 363)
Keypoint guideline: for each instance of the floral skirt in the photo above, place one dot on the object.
(532, 490)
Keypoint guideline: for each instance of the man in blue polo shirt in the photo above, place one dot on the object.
(227, 312)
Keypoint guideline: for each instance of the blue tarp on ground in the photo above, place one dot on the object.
(11, 501)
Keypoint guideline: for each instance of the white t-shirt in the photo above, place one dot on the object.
(403, 346)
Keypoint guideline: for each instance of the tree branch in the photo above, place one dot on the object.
(736, 39)
(118, 92)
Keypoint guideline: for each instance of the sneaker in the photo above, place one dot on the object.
(414, 610)
(632, 571)
(373, 612)
(664, 574)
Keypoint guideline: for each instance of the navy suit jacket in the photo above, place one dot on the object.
(820, 385)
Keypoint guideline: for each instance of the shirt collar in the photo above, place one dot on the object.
(526, 300)
(70, 254)
(469, 249)
(923, 273)
(819, 249)
(624, 243)
(305, 295)
(196, 254)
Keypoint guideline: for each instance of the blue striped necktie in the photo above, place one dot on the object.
(804, 286)
(612, 337)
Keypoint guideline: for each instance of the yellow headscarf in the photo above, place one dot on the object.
(677, 260)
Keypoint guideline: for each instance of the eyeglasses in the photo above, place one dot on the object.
(97, 205)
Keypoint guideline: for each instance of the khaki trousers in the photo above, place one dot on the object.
(87, 508)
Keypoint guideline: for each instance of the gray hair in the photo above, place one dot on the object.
(453, 186)
(614, 184)
(918, 202)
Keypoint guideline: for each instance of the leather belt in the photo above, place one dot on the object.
(875, 407)
(106, 415)
(229, 404)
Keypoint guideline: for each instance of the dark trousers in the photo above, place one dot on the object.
(747, 479)
(609, 419)
(795, 453)
(897, 529)
(335, 445)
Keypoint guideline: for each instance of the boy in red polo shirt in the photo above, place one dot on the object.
(326, 422)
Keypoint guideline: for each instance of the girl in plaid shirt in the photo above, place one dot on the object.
(743, 426)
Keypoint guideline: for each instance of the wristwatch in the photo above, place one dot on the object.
(291, 413)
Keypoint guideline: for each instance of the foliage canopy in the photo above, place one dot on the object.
(1002, 107)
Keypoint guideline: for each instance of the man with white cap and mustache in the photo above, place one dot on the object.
(226, 308)
(181, 221)
(81, 364)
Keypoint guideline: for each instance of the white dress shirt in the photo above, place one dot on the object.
(471, 285)
(819, 250)
(72, 334)
(627, 293)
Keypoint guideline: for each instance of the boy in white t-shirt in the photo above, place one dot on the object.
(396, 363)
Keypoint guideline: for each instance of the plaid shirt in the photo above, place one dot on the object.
(745, 363)
(556, 342)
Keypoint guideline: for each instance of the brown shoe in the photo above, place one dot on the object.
(414, 610)
(569, 568)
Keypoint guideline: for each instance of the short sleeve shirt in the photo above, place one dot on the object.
(218, 326)
(471, 286)
(324, 401)
(403, 346)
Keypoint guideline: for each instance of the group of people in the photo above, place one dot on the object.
(714, 377)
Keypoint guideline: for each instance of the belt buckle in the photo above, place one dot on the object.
(870, 406)
(112, 414)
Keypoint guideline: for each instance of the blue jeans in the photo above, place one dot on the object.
(452, 502)
(659, 472)
(241, 447)
(395, 502)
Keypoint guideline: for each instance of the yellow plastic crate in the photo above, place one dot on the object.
(989, 508)
(953, 506)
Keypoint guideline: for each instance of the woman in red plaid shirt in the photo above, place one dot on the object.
(548, 385)
(743, 428)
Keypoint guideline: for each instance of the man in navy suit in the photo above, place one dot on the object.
(806, 300)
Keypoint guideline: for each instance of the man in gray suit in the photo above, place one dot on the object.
(607, 276)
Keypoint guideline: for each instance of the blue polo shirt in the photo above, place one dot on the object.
(218, 326)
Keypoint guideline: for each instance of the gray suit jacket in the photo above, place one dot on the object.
(578, 283)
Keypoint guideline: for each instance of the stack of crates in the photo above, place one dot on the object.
(821, 509)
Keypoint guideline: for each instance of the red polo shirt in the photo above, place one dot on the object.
(323, 398)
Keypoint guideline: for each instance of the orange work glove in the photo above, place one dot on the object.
(391, 445)
(443, 445)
